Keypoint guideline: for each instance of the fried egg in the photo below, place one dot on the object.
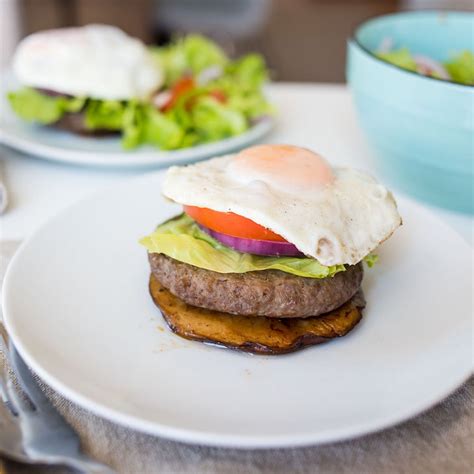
(335, 215)
(97, 61)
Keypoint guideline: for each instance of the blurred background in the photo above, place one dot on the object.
(302, 40)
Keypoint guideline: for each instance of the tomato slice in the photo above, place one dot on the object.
(184, 85)
(231, 224)
(219, 95)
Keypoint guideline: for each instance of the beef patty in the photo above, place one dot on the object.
(257, 334)
(75, 122)
(270, 293)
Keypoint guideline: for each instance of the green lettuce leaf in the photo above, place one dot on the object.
(399, 57)
(214, 121)
(461, 68)
(251, 104)
(249, 71)
(105, 114)
(132, 126)
(161, 130)
(371, 260)
(202, 53)
(140, 123)
(191, 54)
(33, 106)
(180, 238)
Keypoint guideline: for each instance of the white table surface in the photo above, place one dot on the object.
(317, 116)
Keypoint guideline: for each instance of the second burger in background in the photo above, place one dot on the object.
(82, 79)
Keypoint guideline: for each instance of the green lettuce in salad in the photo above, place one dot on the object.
(181, 239)
(459, 68)
(206, 97)
(190, 55)
(32, 105)
(399, 57)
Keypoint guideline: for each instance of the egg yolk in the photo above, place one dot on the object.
(283, 165)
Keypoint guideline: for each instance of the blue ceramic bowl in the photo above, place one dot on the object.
(422, 128)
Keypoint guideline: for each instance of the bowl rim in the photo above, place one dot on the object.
(371, 54)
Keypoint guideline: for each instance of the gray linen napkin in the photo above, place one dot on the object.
(438, 441)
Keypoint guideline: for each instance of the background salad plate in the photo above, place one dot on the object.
(63, 146)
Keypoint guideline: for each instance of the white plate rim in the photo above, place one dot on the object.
(232, 441)
(206, 437)
(137, 159)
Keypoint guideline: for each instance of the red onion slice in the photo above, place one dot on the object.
(428, 66)
(268, 248)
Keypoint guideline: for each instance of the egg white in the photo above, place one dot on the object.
(338, 223)
(97, 61)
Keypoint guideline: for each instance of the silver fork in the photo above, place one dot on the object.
(11, 437)
(31, 429)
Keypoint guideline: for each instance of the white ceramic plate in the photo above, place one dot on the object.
(58, 145)
(76, 304)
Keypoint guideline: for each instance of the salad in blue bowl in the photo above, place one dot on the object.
(412, 80)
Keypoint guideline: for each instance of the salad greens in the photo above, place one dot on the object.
(182, 239)
(192, 54)
(400, 57)
(206, 97)
(460, 68)
(30, 104)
